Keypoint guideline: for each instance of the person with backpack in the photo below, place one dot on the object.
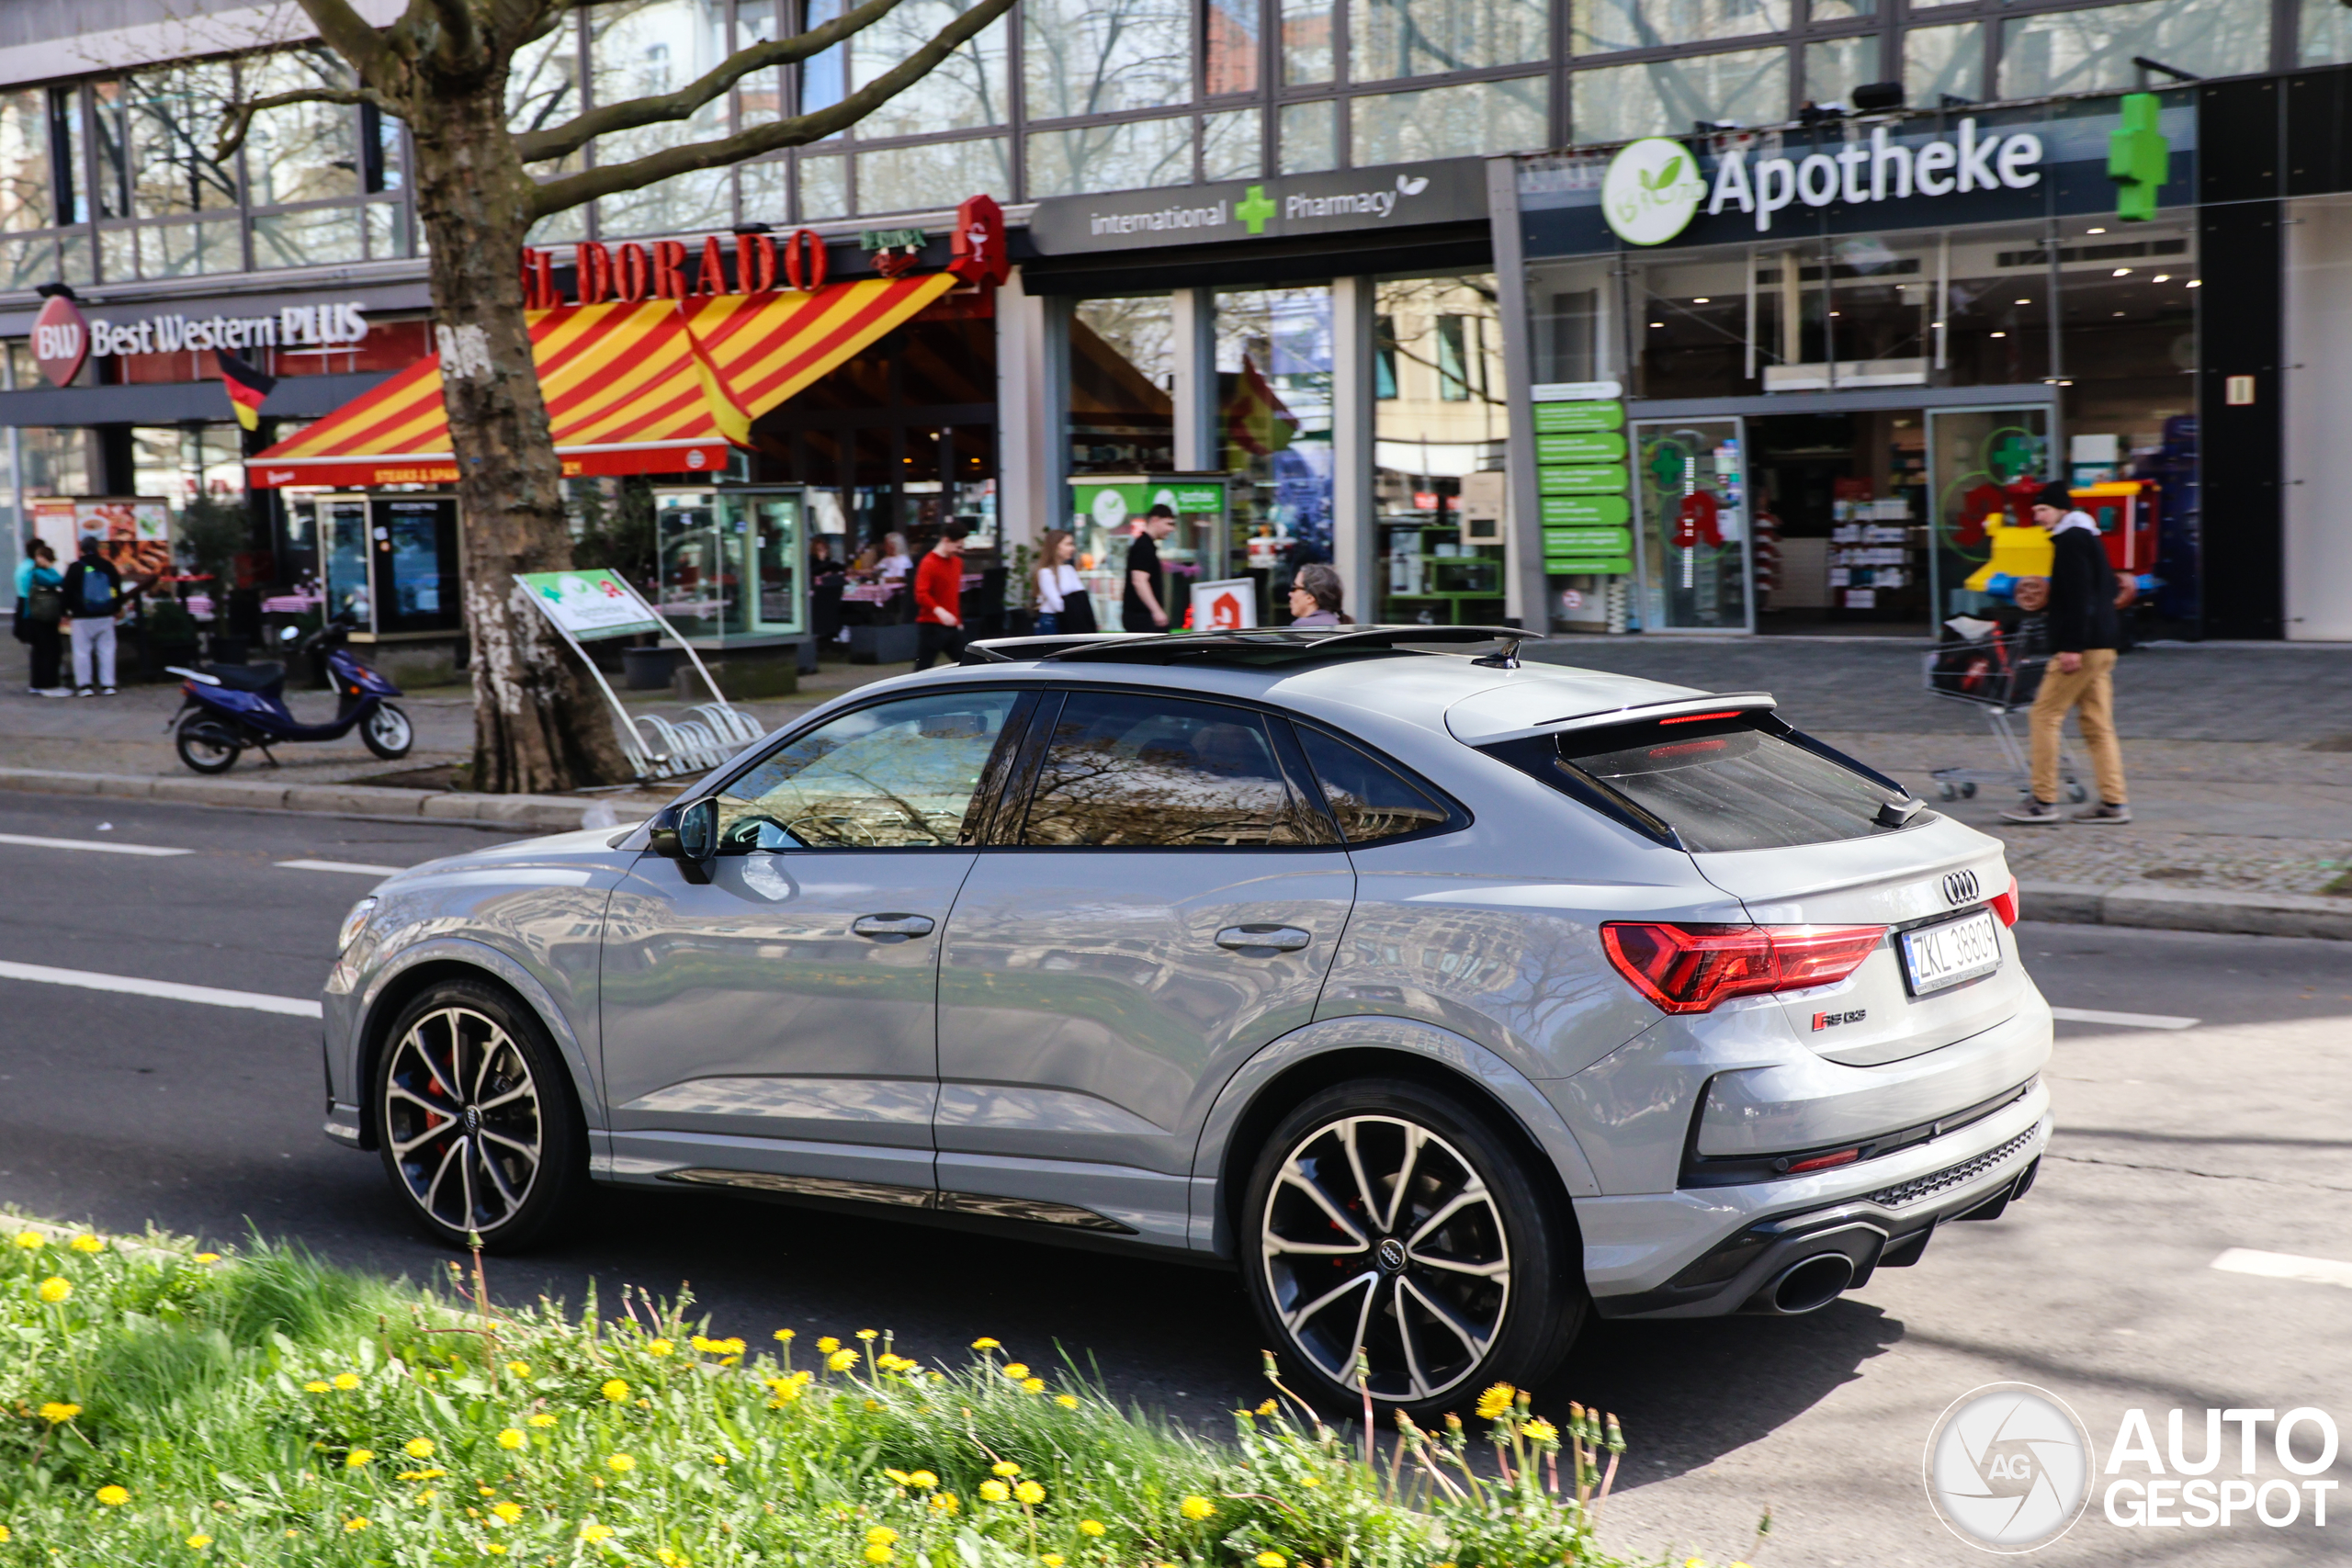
(41, 603)
(94, 601)
(2083, 633)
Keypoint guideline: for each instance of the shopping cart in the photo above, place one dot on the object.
(1994, 675)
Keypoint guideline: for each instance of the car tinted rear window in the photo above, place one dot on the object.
(1735, 784)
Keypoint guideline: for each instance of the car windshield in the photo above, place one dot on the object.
(1731, 786)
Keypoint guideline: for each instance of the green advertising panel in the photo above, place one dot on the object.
(1584, 512)
(1111, 504)
(1587, 541)
(1555, 418)
(1595, 478)
(1581, 447)
(1569, 566)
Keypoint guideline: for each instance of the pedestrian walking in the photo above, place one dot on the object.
(1143, 607)
(95, 602)
(40, 608)
(939, 599)
(1317, 597)
(1063, 607)
(2084, 634)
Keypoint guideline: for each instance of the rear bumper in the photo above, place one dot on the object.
(1707, 1252)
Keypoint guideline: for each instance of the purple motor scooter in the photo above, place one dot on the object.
(230, 707)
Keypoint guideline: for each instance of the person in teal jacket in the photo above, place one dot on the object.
(39, 569)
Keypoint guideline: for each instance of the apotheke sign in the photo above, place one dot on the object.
(1449, 191)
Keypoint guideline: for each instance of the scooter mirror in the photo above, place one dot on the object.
(289, 633)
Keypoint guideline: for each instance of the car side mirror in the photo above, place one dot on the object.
(687, 834)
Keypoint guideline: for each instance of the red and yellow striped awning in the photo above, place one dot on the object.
(649, 386)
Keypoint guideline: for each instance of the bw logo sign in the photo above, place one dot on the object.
(2008, 1468)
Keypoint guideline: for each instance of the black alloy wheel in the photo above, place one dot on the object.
(1390, 1218)
(476, 1119)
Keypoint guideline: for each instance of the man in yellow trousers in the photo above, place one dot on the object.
(2084, 636)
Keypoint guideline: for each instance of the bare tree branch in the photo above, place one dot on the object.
(347, 32)
(514, 22)
(608, 119)
(611, 179)
(241, 115)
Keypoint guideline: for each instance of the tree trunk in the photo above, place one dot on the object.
(539, 724)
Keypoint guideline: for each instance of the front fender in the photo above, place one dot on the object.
(1209, 1230)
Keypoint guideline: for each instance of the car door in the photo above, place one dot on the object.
(776, 1026)
(1162, 900)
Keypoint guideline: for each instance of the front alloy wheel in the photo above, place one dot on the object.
(386, 732)
(1390, 1221)
(475, 1118)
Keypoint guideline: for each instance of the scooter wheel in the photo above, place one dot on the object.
(388, 733)
(205, 745)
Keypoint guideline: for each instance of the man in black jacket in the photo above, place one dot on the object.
(2083, 641)
(94, 601)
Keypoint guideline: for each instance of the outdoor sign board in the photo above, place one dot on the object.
(1116, 503)
(61, 340)
(134, 532)
(590, 604)
(1358, 201)
(1581, 477)
(1225, 606)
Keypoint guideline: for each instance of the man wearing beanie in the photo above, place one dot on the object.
(2082, 639)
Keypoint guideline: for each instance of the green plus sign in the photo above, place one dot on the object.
(2139, 158)
(1255, 210)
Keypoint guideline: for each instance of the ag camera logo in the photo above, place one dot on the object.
(1651, 191)
(2008, 1468)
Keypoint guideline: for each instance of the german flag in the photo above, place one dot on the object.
(247, 388)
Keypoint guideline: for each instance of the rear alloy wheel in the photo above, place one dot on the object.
(476, 1120)
(1390, 1220)
(205, 744)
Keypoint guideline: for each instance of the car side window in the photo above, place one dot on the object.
(1147, 771)
(900, 774)
(1369, 798)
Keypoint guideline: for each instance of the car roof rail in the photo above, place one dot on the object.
(1257, 646)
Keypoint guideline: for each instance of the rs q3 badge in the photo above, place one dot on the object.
(1832, 1019)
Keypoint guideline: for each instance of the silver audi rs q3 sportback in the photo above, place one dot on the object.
(1445, 997)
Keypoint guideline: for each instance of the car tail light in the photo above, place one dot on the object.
(2004, 905)
(1691, 968)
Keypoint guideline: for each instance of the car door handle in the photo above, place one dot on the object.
(1260, 939)
(892, 925)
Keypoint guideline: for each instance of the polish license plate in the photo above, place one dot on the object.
(1937, 956)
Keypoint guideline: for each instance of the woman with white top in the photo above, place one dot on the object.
(1063, 608)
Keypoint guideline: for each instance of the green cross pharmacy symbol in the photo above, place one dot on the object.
(1255, 210)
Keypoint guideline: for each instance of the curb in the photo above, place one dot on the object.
(2167, 909)
(548, 813)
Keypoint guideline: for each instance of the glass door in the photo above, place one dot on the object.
(773, 527)
(1691, 491)
(1984, 467)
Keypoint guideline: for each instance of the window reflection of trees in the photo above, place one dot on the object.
(1164, 775)
(1370, 801)
(899, 777)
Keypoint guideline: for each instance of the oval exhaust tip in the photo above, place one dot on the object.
(1811, 1284)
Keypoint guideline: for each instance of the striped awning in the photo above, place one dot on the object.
(644, 387)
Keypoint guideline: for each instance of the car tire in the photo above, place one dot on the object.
(1476, 1231)
(476, 1119)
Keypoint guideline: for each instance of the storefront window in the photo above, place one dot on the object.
(2089, 52)
(932, 175)
(1470, 120)
(1667, 97)
(1941, 63)
(1595, 25)
(56, 459)
(1273, 364)
(1307, 41)
(1233, 145)
(730, 561)
(1121, 371)
(1091, 57)
(1835, 67)
(25, 187)
(305, 151)
(1310, 137)
(1438, 439)
(2325, 35)
(967, 89)
(641, 48)
(154, 140)
(1231, 45)
(1131, 155)
(1422, 37)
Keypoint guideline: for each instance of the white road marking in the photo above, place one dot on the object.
(357, 867)
(2122, 1019)
(2284, 1266)
(40, 843)
(163, 990)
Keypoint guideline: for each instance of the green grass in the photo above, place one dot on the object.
(265, 1409)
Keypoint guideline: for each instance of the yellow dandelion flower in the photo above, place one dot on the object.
(994, 1492)
(56, 1414)
(1197, 1509)
(922, 1479)
(54, 1289)
(496, 1548)
(520, 1369)
(1004, 1467)
(620, 1464)
(881, 1535)
(511, 1438)
(315, 1386)
(4, 1535)
(358, 1458)
(1032, 1385)
(667, 1558)
(113, 1497)
(1052, 1560)
(418, 1448)
(1066, 1401)
(842, 1361)
(346, 1380)
(199, 1542)
(1494, 1400)
(86, 1244)
(1694, 1563)
(616, 1390)
(1091, 1526)
(1016, 1371)
(879, 1554)
(983, 1343)
(355, 1525)
(1310, 1481)
(541, 1419)
(829, 1344)
(1268, 1408)
(31, 1241)
(1030, 1492)
(659, 1347)
(900, 1476)
(946, 1503)
(594, 1533)
(506, 1513)
(208, 1258)
(1541, 1431)
(1272, 1560)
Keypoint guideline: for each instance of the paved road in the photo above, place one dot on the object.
(2177, 1145)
